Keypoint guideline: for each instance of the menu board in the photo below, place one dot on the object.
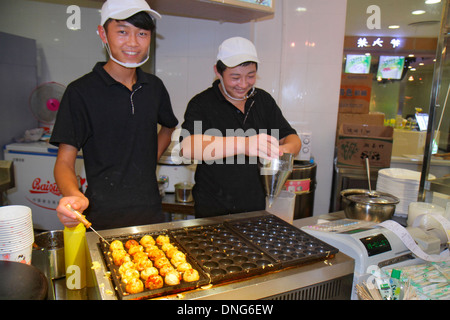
(358, 63)
(390, 67)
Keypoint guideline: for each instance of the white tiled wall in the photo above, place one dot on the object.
(304, 49)
(186, 51)
(304, 79)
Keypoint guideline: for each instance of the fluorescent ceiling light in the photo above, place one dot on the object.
(416, 12)
(394, 26)
(432, 1)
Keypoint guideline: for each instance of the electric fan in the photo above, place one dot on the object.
(44, 103)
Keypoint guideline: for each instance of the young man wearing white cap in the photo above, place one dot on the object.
(111, 114)
(226, 127)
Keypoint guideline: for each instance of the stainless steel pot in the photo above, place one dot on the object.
(183, 192)
(50, 245)
(368, 205)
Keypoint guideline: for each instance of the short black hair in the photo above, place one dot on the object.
(221, 67)
(141, 20)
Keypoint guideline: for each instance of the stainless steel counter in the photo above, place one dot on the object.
(284, 284)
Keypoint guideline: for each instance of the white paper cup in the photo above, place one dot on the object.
(14, 212)
(21, 255)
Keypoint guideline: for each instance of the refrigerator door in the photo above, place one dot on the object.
(35, 184)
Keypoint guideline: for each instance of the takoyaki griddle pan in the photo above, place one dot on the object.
(286, 244)
(147, 293)
(222, 253)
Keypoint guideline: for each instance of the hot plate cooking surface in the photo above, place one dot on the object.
(232, 250)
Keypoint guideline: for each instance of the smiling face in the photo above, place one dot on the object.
(127, 43)
(238, 81)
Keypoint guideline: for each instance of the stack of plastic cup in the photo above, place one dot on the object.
(16, 234)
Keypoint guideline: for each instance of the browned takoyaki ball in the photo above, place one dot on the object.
(166, 246)
(154, 282)
(126, 266)
(165, 269)
(170, 252)
(143, 264)
(177, 258)
(130, 243)
(162, 239)
(139, 256)
(135, 249)
(155, 254)
(135, 285)
(172, 278)
(120, 257)
(160, 262)
(116, 245)
(182, 267)
(147, 240)
(146, 273)
(190, 275)
(130, 274)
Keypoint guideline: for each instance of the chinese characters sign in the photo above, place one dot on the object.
(379, 42)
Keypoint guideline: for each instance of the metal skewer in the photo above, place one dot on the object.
(84, 221)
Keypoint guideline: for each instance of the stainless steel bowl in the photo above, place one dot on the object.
(49, 246)
(183, 192)
(361, 204)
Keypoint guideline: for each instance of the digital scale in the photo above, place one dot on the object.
(366, 242)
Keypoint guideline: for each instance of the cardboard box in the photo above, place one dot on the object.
(358, 142)
(372, 118)
(408, 143)
(355, 93)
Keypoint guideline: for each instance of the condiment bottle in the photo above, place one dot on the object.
(75, 256)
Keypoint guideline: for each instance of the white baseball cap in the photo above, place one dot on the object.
(123, 9)
(237, 50)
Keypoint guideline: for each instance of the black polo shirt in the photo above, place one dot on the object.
(117, 131)
(233, 184)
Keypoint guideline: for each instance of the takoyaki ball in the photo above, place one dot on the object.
(165, 269)
(130, 243)
(172, 278)
(139, 256)
(156, 254)
(182, 267)
(143, 264)
(162, 239)
(116, 245)
(125, 266)
(166, 246)
(134, 286)
(190, 275)
(130, 274)
(120, 257)
(135, 249)
(147, 240)
(177, 258)
(150, 248)
(154, 282)
(150, 271)
(171, 252)
(160, 262)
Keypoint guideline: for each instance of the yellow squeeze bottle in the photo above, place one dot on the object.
(75, 256)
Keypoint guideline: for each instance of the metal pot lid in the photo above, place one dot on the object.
(373, 197)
